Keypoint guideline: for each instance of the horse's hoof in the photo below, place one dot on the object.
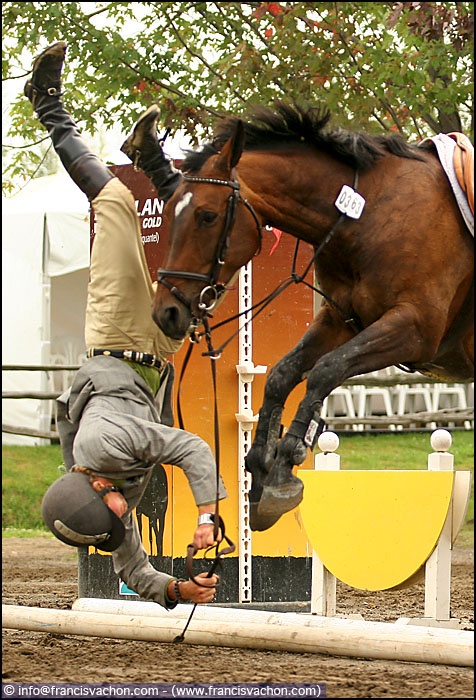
(277, 500)
(258, 522)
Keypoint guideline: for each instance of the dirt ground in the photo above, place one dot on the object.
(42, 572)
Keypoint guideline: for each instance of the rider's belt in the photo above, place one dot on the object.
(143, 358)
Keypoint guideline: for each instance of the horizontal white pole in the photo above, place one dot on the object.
(329, 636)
(182, 611)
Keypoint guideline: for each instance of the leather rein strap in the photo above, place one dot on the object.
(218, 522)
(219, 525)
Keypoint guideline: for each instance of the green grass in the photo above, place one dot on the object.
(26, 474)
(28, 471)
(401, 450)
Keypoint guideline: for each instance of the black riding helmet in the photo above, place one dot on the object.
(78, 516)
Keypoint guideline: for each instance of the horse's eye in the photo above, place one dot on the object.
(206, 218)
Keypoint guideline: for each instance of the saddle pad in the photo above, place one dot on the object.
(448, 153)
(464, 165)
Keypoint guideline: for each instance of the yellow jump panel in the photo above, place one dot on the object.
(374, 529)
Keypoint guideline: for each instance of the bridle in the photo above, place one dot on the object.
(211, 284)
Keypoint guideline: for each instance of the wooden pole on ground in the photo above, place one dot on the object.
(329, 636)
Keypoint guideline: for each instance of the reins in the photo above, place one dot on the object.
(295, 278)
(219, 525)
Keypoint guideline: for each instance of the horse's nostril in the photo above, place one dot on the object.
(165, 317)
(170, 315)
(170, 321)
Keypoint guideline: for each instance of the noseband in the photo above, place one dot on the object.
(211, 280)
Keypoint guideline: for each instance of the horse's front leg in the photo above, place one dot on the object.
(271, 457)
(282, 490)
(266, 453)
(395, 338)
(284, 376)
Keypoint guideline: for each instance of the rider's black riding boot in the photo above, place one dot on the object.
(44, 91)
(144, 150)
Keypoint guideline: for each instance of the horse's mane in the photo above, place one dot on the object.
(271, 129)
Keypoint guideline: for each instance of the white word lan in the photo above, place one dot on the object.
(150, 212)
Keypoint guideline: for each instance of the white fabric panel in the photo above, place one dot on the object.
(45, 261)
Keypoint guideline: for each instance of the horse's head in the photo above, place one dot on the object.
(213, 231)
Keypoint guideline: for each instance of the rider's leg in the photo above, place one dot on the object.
(120, 289)
(44, 92)
(144, 150)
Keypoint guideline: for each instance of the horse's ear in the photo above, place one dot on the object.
(231, 152)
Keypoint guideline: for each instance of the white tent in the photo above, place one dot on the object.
(45, 267)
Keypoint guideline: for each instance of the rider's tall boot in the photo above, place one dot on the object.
(144, 150)
(44, 92)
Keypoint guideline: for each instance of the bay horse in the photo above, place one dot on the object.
(393, 260)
